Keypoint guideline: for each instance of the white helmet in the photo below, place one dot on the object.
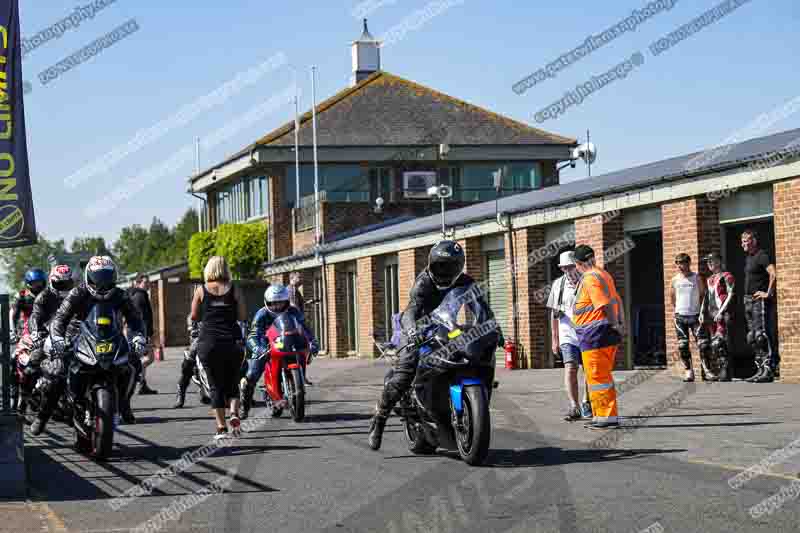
(100, 277)
(276, 298)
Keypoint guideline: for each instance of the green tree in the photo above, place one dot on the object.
(16, 261)
(129, 249)
(92, 245)
(181, 234)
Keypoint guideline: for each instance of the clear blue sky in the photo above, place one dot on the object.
(692, 96)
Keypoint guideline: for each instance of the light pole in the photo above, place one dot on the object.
(316, 166)
(296, 140)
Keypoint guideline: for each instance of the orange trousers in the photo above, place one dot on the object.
(598, 364)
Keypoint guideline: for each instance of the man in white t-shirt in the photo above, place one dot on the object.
(687, 291)
(564, 338)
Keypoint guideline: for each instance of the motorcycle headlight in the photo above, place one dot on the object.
(455, 333)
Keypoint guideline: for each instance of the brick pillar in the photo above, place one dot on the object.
(371, 301)
(155, 302)
(474, 257)
(786, 198)
(280, 221)
(689, 226)
(605, 233)
(532, 316)
(410, 263)
(160, 311)
(337, 309)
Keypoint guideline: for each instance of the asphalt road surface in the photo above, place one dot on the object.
(320, 475)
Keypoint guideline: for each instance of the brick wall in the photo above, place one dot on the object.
(410, 263)
(371, 294)
(280, 220)
(155, 304)
(474, 257)
(786, 202)
(337, 309)
(689, 226)
(531, 315)
(178, 299)
(602, 232)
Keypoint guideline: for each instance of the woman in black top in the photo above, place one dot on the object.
(218, 305)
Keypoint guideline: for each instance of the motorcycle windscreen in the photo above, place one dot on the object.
(286, 335)
(101, 335)
(465, 313)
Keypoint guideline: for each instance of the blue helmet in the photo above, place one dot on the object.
(35, 280)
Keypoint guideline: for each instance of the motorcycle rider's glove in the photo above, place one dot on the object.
(12, 338)
(139, 344)
(314, 347)
(59, 348)
(54, 366)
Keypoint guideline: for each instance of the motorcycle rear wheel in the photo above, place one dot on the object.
(473, 439)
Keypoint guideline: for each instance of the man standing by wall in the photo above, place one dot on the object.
(295, 296)
(141, 301)
(599, 319)
(687, 292)
(564, 338)
(759, 307)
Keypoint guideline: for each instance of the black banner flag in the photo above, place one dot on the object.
(17, 223)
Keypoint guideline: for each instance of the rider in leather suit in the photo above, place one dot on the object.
(99, 285)
(21, 309)
(276, 301)
(443, 273)
(59, 283)
(189, 363)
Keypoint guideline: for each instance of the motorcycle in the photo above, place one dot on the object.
(447, 405)
(29, 396)
(284, 382)
(101, 361)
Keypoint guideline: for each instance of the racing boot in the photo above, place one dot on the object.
(39, 423)
(376, 427)
(724, 369)
(759, 372)
(145, 390)
(767, 375)
(246, 399)
(180, 397)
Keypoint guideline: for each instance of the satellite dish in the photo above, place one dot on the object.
(587, 152)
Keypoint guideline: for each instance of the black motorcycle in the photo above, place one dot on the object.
(447, 405)
(101, 363)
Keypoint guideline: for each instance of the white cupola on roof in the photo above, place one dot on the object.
(366, 56)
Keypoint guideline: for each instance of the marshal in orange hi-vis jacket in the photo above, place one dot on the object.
(599, 340)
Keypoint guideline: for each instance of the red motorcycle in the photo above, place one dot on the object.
(29, 396)
(284, 375)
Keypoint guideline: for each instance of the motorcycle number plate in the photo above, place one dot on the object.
(104, 347)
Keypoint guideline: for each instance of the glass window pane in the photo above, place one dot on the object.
(477, 183)
(345, 183)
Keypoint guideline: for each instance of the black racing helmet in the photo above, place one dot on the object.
(446, 263)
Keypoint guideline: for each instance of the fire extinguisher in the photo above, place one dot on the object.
(511, 355)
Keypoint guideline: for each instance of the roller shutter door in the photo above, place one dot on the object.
(498, 293)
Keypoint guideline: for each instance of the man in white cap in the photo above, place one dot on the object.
(564, 338)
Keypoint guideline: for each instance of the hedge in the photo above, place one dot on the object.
(244, 246)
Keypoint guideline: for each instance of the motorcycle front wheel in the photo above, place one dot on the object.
(295, 394)
(474, 435)
(103, 435)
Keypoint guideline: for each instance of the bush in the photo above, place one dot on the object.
(244, 246)
(202, 246)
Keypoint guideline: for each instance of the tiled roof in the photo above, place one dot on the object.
(384, 110)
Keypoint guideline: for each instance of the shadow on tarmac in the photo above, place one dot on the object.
(555, 456)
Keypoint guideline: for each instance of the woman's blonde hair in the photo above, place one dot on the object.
(217, 269)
